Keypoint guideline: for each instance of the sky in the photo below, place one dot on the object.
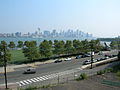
(99, 17)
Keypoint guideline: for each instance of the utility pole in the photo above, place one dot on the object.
(91, 46)
(118, 41)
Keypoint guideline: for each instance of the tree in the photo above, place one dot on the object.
(96, 45)
(4, 57)
(50, 42)
(78, 46)
(11, 45)
(31, 51)
(26, 43)
(45, 49)
(20, 44)
(3, 45)
(85, 46)
(68, 47)
(59, 47)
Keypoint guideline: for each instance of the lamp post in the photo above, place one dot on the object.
(5, 64)
(118, 42)
(92, 53)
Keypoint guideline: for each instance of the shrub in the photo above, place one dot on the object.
(82, 77)
(100, 72)
(31, 88)
(118, 73)
(45, 86)
(109, 70)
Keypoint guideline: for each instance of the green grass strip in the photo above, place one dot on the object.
(111, 83)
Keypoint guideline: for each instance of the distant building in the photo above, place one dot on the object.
(18, 34)
(46, 33)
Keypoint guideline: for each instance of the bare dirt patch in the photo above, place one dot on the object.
(92, 83)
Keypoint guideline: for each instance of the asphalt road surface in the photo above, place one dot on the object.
(47, 69)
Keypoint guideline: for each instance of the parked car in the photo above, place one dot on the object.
(87, 62)
(110, 56)
(103, 58)
(67, 59)
(30, 71)
(99, 59)
(78, 57)
(114, 55)
(85, 55)
(106, 57)
(57, 61)
(94, 60)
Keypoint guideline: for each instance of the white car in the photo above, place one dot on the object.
(67, 59)
(94, 60)
(87, 62)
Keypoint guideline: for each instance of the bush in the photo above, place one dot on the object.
(118, 73)
(31, 88)
(45, 86)
(101, 72)
(116, 68)
(82, 77)
(109, 70)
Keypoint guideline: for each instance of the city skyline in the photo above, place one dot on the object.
(52, 34)
(98, 17)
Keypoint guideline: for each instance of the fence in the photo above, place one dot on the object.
(59, 78)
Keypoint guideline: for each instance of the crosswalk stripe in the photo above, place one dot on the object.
(19, 83)
(33, 80)
(42, 78)
(26, 82)
(39, 78)
(29, 81)
(22, 82)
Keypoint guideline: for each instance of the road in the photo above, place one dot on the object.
(47, 69)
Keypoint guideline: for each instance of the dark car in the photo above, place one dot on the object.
(85, 55)
(78, 57)
(57, 61)
(99, 59)
(114, 55)
(30, 71)
(103, 58)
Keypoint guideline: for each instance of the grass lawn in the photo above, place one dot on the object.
(17, 55)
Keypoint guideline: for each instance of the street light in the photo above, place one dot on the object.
(5, 64)
(92, 54)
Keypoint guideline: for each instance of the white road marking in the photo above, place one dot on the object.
(45, 77)
(33, 80)
(26, 82)
(22, 82)
(39, 78)
(19, 83)
(42, 78)
(29, 80)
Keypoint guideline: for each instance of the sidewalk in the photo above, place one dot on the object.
(11, 86)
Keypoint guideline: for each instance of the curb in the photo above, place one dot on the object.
(100, 63)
